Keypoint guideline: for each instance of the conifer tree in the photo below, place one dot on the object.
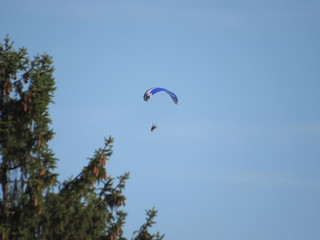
(33, 204)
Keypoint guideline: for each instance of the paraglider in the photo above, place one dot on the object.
(150, 92)
(153, 127)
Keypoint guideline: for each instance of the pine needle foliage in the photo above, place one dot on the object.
(33, 204)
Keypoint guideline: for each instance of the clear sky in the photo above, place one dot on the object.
(238, 157)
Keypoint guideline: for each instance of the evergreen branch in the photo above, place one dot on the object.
(142, 233)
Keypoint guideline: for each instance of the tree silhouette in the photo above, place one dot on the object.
(33, 204)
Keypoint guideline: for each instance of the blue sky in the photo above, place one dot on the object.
(238, 158)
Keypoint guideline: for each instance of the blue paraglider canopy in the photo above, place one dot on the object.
(149, 93)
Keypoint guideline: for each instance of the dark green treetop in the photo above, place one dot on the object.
(33, 204)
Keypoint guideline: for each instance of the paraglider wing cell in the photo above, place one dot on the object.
(149, 93)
